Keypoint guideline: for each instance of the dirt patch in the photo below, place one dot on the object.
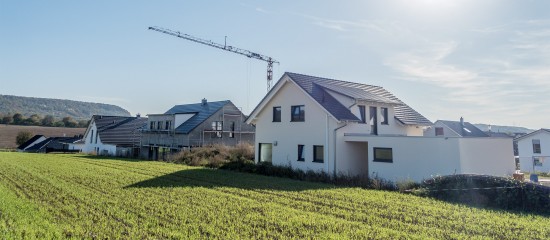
(9, 132)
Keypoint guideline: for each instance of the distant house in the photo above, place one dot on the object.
(460, 128)
(193, 125)
(53, 144)
(114, 135)
(31, 142)
(333, 126)
(534, 151)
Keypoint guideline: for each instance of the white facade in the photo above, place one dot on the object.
(530, 158)
(348, 147)
(93, 144)
(418, 158)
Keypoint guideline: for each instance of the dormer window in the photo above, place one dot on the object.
(362, 114)
(384, 115)
(439, 131)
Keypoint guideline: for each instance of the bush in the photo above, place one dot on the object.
(488, 191)
(23, 137)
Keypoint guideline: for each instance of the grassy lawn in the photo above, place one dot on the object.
(77, 196)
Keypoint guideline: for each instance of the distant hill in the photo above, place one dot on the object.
(503, 129)
(57, 107)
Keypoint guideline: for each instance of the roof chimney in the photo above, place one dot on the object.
(461, 121)
(138, 115)
(204, 102)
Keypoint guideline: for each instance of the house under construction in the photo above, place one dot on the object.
(195, 125)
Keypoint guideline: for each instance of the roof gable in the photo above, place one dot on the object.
(117, 130)
(542, 130)
(201, 111)
(316, 88)
(29, 142)
(468, 130)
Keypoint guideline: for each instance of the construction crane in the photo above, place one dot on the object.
(244, 52)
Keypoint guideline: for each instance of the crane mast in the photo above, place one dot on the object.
(237, 50)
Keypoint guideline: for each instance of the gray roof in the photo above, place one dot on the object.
(468, 130)
(29, 142)
(532, 133)
(201, 111)
(317, 88)
(52, 143)
(119, 131)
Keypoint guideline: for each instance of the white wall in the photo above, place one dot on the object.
(289, 134)
(492, 156)
(525, 152)
(418, 158)
(181, 118)
(90, 145)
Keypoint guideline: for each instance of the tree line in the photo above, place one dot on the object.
(46, 121)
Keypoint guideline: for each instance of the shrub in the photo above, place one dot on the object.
(488, 191)
(23, 137)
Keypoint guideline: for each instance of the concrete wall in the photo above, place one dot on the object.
(493, 156)
(525, 151)
(418, 158)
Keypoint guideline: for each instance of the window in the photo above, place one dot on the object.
(96, 134)
(232, 132)
(276, 114)
(301, 153)
(168, 125)
(384, 113)
(537, 162)
(159, 125)
(536, 146)
(362, 114)
(439, 131)
(383, 155)
(218, 127)
(92, 136)
(152, 125)
(318, 154)
(297, 113)
(373, 121)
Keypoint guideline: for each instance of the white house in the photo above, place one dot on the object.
(321, 124)
(114, 135)
(446, 128)
(534, 151)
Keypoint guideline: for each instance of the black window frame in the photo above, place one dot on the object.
(442, 131)
(315, 157)
(301, 157)
(363, 113)
(536, 146)
(232, 130)
(277, 114)
(384, 113)
(301, 117)
(375, 159)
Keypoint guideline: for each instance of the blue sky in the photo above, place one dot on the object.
(488, 61)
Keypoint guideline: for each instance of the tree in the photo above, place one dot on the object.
(7, 120)
(83, 123)
(18, 118)
(22, 137)
(69, 122)
(48, 121)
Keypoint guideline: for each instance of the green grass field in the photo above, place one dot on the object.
(77, 196)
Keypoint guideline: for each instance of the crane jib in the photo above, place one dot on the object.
(237, 50)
